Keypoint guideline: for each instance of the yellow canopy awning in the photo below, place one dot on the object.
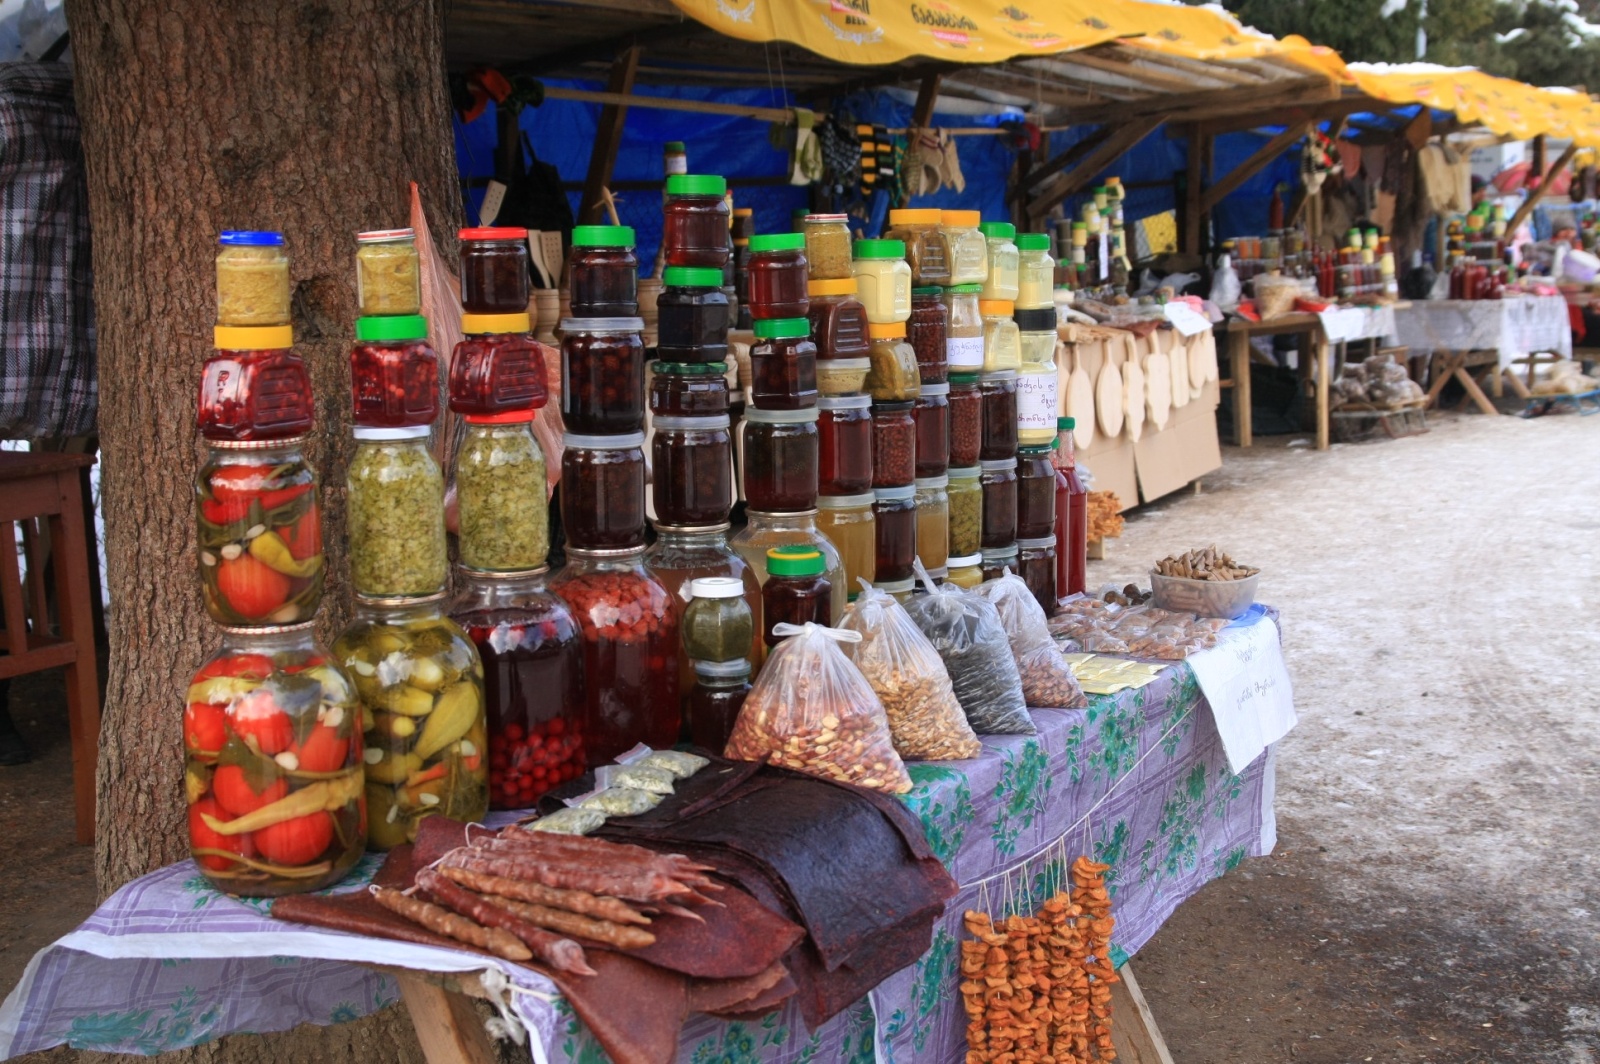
(1500, 105)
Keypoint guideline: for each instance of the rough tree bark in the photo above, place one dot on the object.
(306, 116)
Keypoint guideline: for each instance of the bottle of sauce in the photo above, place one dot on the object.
(1072, 516)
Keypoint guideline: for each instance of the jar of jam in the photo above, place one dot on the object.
(965, 492)
(969, 251)
(394, 514)
(604, 272)
(1036, 564)
(780, 460)
(494, 270)
(254, 387)
(844, 444)
(388, 274)
(1035, 273)
(933, 521)
(1002, 281)
(763, 531)
(894, 516)
(714, 704)
(783, 364)
(692, 316)
(932, 415)
(502, 502)
(778, 276)
(689, 389)
(602, 491)
(1037, 397)
(498, 370)
(847, 522)
(394, 374)
(691, 461)
(252, 278)
(997, 560)
(926, 331)
(964, 571)
(797, 590)
(695, 227)
(532, 654)
(966, 419)
(964, 335)
(681, 557)
(838, 320)
(842, 376)
(630, 651)
(268, 716)
(927, 248)
(718, 623)
(827, 239)
(1002, 342)
(602, 375)
(999, 482)
(1036, 492)
(894, 445)
(893, 377)
(258, 527)
(883, 280)
(999, 391)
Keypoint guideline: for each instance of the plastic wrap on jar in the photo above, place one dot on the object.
(1047, 680)
(965, 630)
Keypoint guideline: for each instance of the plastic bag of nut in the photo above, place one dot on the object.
(811, 710)
(925, 719)
(966, 631)
(1047, 679)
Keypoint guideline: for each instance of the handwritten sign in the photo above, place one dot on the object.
(1186, 319)
(1247, 684)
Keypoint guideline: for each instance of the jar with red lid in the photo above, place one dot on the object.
(844, 444)
(691, 470)
(602, 491)
(602, 375)
(630, 651)
(604, 272)
(692, 316)
(689, 389)
(494, 270)
(894, 518)
(695, 227)
(932, 415)
(999, 391)
(254, 387)
(715, 701)
(999, 486)
(783, 365)
(1036, 492)
(966, 419)
(893, 375)
(1036, 565)
(894, 445)
(927, 332)
(780, 460)
(838, 320)
(498, 366)
(394, 374)
(797, 590)
(778, 276)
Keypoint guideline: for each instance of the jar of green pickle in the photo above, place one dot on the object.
(718, 624)
(965, 571)
(395, 514)
(500, 491)
(965, 494)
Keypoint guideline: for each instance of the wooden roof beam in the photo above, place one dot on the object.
(1247, 169)
(1138, 74)
(1216, 70)
(1537, 194)
(1065, 159)
(1109, 151)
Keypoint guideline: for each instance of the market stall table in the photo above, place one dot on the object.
(1491, 335)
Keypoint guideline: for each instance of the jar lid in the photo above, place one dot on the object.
(888, 330)
(690, 530)
(1065, 424)
(744, 212)
(727, 670)
(991, 554)
(1000, 375)
(965, 289)
(716, 587)
(672, 422)
(821, 218)
(696, 185)
(778, 242)
(1035, 320)
(961, 219)
(797, 560)
(252, 337)
(780, 417)
(691, 277)
(965, 561)
(782, 328)
(970, 472)
(602, 236)
(1034, 450)
(1036, 544)
(964, 378)
(781, 513)
(993, 465)
(1085, 226)
(1033, 242)
(928, 290)
(844, 365)
(400, 601)
(936, 388)
(839, 286)
(881, 249)
(996, 308)
(601, 326)
(288, 442)
(269, 629)
(897, 587)
(491, 575)
(495, 324)
(1000, 230)
(897, 406)
(604, 552)
(386, 236)
(845, 402)
(844, 502)
(250, 238)
(894, 494)
(493, 232)
(379, 432)
(603, 443)
(673, 147)
(395, 327)
(932, 483)
(510, 417)
(915, 216)
(691, 369)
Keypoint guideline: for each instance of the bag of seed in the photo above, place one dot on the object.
(811, 710)
(925, 720)
(1047, 680)
(966, 631)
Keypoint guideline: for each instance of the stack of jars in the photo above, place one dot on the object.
(267, 716)
(1037, 406)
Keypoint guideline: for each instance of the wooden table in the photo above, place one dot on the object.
(1315, 361)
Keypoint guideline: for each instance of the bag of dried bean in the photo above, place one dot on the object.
(811, 710)
(1047, 680)
(925, 720)
(966, 631)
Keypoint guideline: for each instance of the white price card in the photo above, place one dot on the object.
(1187, 320)
(1247, 684)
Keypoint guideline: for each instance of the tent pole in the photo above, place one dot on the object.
(1194, 182)
(927, 97)
(608, 137)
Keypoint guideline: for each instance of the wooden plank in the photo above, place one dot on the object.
(1239, 363)
(1064, 185)
(53, 655)
(1475, 393)
(70, 545)
(927, 99)
(623, 100)
(1138, 74)
(1064, 159)
(1537, 194)
(1134, 1033)
(1216, 71)
(13, 610)
(1247, 169)
(447, 1025)
(1324, 370)
(608, 137)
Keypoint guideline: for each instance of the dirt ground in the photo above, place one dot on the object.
(1433, 897)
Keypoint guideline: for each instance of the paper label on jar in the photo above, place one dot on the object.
(964, 352)
(1036, 401)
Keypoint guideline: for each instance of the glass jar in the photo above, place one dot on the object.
(1036, 492)
(847, 522)
(964, 571)
(253, 389)
(604, 272)
(682, 555)
(679, 389)
(259, 532)
(998, 560)
(1002, 280)
(1035, 273)
(966, 419)
(266, 717)
(926, 331)
(999, 483)
(252, 278)
(883, 280)
(927, 249)
(903, 590)
(394, 373)
(827, 242)
(999, 391)
(494, 270)
(602, 375)
(1002, 341)
(691, 461)
(844, 444)
(1037, 397)
(842, 376)
(893, 377)
(765, 530)
(532, 655)
(933, 521)
(714, 704)
(778, 276)
(602, 491)
(692, 316)
(969, 251)
(932, 416)
(964, 335)
(502, 501)
(427, 746)
(630, 651)
(695, 230)
(1036, 565)
(894, 517)
(783, 364)
(497, 372)
(894, 445)
(394, 514)
(838, 320)
(780, 460)
(718, 622)
(965, 492)
(388, 273)
(797, 590)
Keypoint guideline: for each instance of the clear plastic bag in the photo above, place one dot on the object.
(966, 631)
(925, 720)
(1047, 679)
(811, 710)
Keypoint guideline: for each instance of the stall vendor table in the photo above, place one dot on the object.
(1505, 331)
(1140, 778)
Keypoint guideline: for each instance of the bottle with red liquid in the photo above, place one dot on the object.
(394, 373)
(1072, 516)
(254, 388)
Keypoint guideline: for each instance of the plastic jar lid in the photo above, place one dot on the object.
(994, 554)
(842, 286)
(915, 216)
(843, 365)
(1036, 544)
(493, 232)
(932, 483)
(782, 328)
(250, 238)
(777, 242)
(964, 378)
(961, 219)
(672, 423)
(996, 308)
(404, 432)
(696, 185)
(965, 289)
(894, 494)
(1000, 375)
(798, 560)
(998, 465)
(998, 230)
(691, 277)
(691, 369)
(603, 443)
(716, 587)
(937, 388)
(898, 587)
(495, 324)
(738, 668)
(252, 337)
(1036, 320)
(396, 327)
(509, 417)
(889, 330)
(602, 236)
(386, 236)
(601, 326)
(896, 407)
(1064, 424)
(1036, 241)
(928, 290)
(881, 249)
(821, 218)
(964, 472)
(844, 502)
(780, 417)
(965, 561)
(844, 402)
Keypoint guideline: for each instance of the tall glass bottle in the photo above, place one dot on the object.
(1072, 516)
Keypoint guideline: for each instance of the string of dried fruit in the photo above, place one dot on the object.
(1105, 515)
(1089, 893)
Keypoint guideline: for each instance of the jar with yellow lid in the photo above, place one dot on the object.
(969, 251)
(893, 377)
(1002, 341)
(253, 279)
(883, 280)
(927, 247)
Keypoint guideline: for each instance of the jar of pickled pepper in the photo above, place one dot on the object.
(252, 279)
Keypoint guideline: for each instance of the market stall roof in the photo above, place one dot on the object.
(1506, 107)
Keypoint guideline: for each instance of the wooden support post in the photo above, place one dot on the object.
(927, 97)
(447, 1025)
(1195, 187)
(1247, 169)
(1064, 185)
(608, 137)
(1537, 194)
(1239, 367)
(1323, 369)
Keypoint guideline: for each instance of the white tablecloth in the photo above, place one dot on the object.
(1515, 326)
(1344, 324)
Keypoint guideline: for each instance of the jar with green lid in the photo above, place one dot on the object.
(764, 530)
(1002, 341)
(680, 556)
(847, 522)
(933, 521)
(718, 624)
(1002, 280)
(964, 335)
(797, 590)
(689, 389)
(883, 280)
(253, 278)
(894, 376)
(965, 494)
(1035, 272)
(964, 571)
(1038, 401)
(997, 560)
(395, 514)
(969, 251)
(388, 275)
(502, 500)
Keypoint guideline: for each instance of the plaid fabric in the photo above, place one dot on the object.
(47, 354)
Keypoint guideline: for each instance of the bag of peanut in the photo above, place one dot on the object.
(1047, 680)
